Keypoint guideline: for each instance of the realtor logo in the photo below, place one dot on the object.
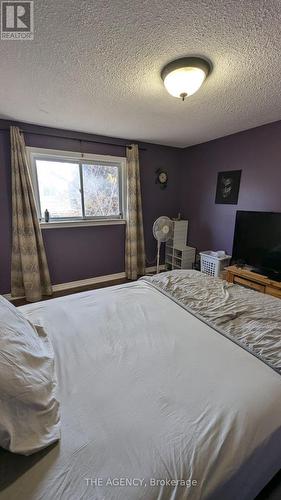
(17, 20)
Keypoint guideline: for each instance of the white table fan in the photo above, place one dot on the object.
(162, 232)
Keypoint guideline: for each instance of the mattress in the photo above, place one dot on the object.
(155, 404)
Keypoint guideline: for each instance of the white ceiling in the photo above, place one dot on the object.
(94, 66)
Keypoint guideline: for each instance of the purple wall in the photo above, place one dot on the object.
(85, 252)
(257, 152)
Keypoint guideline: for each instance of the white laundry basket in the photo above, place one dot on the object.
(213, 263)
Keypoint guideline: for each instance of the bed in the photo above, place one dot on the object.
(160, 398)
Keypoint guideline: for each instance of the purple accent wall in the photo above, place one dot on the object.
(258, 153)
(85, 252)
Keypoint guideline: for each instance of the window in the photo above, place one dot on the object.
(73, 188)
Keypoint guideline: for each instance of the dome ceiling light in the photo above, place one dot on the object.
(185, 76)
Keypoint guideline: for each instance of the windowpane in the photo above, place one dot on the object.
(101, 190)
(59, 188)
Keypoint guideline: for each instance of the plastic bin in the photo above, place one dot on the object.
(213, 263)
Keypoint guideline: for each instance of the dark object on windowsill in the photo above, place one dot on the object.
(47, 216)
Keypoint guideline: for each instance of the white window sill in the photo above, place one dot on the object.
(81, 223)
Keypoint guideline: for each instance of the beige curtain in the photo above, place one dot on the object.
(29, 269)
(134, 248)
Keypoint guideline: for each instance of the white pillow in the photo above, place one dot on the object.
(29, 411)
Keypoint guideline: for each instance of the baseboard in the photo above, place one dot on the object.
(61, 287)
(153, 269)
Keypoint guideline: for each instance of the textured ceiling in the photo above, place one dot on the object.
(94, 66)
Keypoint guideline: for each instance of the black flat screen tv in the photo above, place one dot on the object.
(257, 242)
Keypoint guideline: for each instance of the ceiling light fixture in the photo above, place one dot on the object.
(185, 76)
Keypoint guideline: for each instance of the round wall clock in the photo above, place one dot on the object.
(161, 178)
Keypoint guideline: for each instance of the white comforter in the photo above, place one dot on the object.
(150, 393)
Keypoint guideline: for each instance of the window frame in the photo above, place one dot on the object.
(80, 158)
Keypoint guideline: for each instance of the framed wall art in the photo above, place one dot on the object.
(228, 185)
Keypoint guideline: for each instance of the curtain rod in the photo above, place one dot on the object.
(75, 139)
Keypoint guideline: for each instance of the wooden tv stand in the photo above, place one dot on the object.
(245, 277)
